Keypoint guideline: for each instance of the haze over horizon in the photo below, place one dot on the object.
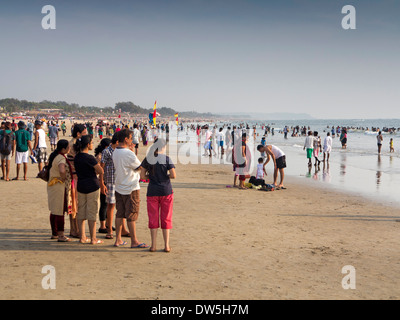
(207, 56)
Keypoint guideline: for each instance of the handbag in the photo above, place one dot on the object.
(44, 174)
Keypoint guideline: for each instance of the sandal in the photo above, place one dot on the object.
(97, 242)
(122, 244)
(64, 240)
(109, 236)
(140, 246)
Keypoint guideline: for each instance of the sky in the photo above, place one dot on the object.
(214, 56)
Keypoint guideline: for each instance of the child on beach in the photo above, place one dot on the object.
(159, 169)
(316, 148)
(263, 142)
(260, 169)
(391, 145)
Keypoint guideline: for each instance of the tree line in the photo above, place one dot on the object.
(10, 105)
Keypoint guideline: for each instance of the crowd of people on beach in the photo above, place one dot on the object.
(86, 182)
(83, 185)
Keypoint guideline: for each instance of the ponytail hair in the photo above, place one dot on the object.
(78, 128)
(82, 143)
(61, 144)
(104, 143)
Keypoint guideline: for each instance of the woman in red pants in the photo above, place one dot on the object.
(159, 169)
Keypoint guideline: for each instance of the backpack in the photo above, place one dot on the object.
(5, 143)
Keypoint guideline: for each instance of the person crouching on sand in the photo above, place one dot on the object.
(279, 159)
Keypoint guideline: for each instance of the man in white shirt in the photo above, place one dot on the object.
(127, 188)
(309, 145)
(220, 141)
(136, 137)
(279, 159)
(40, 146)
(327, 146)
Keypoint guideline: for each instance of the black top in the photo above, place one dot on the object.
(160, 184)
(87, 178)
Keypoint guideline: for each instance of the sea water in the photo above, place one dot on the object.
(358, 169)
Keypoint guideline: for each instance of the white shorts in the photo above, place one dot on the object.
(21, 157)
(327, 149)
(53, 141)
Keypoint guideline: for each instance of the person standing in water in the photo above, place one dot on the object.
(379, 139)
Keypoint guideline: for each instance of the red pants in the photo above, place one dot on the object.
(160, 209)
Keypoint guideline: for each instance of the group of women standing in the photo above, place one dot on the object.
(74, 188)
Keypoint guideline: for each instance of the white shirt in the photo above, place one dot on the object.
(42, 139)
(309, 143)
(277, 152)
(260, 171)
(135, 136)
(220, 136)
(328, 144)
(125, 163)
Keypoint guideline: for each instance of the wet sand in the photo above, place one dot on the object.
(226, 244)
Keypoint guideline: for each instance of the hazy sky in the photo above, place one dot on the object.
(207, 56)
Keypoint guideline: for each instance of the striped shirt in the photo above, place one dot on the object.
(109, 169)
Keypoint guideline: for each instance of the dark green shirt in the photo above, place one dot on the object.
(21, 138)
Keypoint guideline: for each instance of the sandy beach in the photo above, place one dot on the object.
(226, 244)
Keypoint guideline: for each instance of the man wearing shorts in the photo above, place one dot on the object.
(23, 144)
(127, 188)
(6, 157)
(136, 137)
(109, 179)
(309, 145)
(327, 146)
(279, 159)
(53, 135)
(40, 147)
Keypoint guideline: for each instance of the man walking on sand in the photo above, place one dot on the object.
(40, 146)
(7, 149)
(23, 144)
(279, 159)
(127, 188)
